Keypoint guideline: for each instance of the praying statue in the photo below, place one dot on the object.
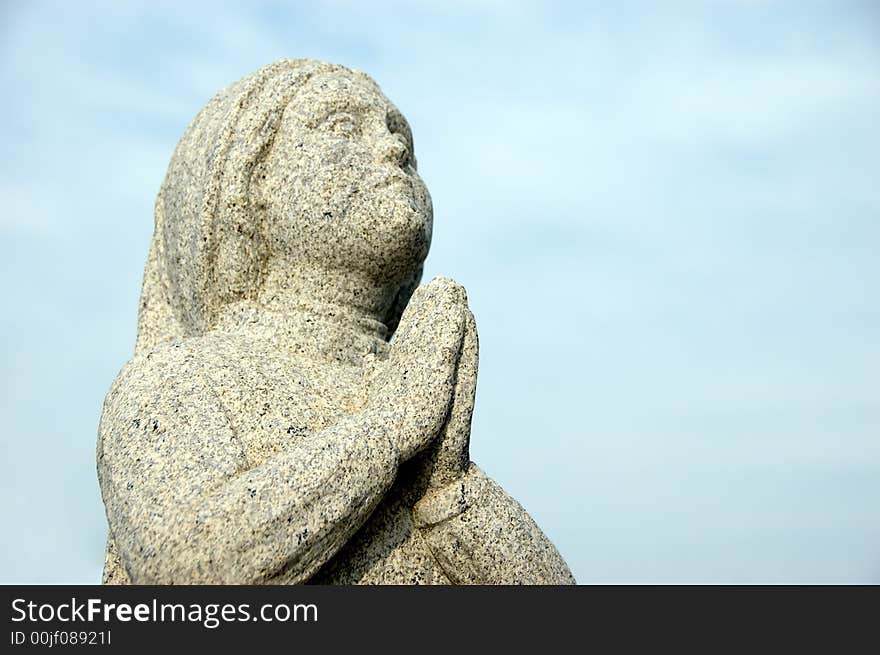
(298, 408)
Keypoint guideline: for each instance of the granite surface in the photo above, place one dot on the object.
(268, 429)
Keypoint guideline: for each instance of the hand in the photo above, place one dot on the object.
(413, 397)
(448, 458)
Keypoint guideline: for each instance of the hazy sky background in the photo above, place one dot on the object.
(665, 214)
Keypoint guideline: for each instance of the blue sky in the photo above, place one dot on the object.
(664, 215)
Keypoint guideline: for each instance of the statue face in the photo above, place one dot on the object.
(339, 183)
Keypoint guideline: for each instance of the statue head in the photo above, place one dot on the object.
(300, 169)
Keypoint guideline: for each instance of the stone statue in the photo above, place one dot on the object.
(266, 429)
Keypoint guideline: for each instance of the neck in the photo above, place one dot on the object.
(327, 316)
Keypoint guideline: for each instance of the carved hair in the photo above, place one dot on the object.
(207, 248)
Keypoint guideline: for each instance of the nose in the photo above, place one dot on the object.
(393, 148)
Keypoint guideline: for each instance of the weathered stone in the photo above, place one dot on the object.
(265, 430)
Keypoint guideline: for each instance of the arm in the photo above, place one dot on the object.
(480, 535)
(184, 508)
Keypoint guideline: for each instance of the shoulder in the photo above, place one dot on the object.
(169, 385)
(183, 366)
(162, 409)
(164, 371)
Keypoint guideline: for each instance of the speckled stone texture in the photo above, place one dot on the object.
(267, 429)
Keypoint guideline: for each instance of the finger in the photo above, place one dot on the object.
(435, 353)
(406, 320)
(466, 375)
(434, 322)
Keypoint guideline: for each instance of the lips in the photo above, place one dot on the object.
(387, 179)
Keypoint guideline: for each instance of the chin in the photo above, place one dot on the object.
(406, 237)
(396, 243)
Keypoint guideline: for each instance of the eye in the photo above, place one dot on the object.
(397, 126)
(341, 123)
